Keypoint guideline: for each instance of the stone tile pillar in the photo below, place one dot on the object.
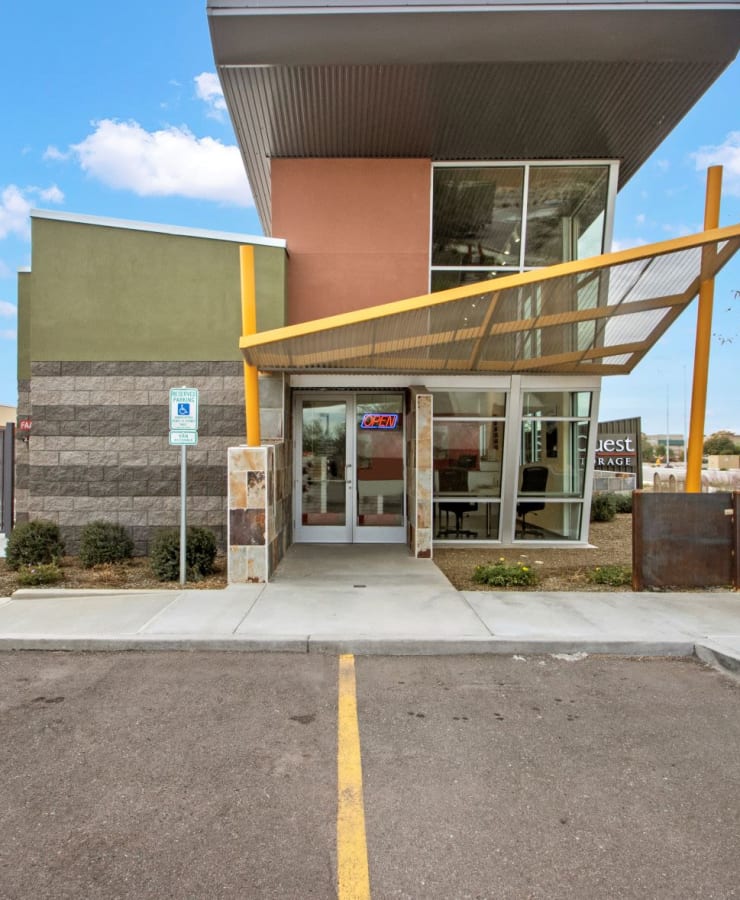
(259, 501)
(424, 475)
(247, 524)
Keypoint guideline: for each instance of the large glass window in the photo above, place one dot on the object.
(468, 444)
(497, 219)
(552, 464)
(566, 206)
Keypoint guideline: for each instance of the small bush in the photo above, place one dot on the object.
(503, 574)
(30, 576)
(104, 542)
(624, 503)
(34, 543)
(200, 554)
(603, 508)
(612, 575)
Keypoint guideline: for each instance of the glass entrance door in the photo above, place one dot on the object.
(325, 476)
(350, 484)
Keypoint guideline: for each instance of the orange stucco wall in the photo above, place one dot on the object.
(357, 231)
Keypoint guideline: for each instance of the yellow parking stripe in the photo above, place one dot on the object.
(353, 879)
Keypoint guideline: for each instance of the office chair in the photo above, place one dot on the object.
(454, 481)
(534, 481)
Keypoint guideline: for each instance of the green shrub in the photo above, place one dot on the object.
(623, 502)
(34, 543)
(612, 575)
(104, 542)
(29, 576)
(200, 554)
(603, 507)
(503, 574)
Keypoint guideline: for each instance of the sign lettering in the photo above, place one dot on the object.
(382, 421)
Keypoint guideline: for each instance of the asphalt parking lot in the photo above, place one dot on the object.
(213, 775)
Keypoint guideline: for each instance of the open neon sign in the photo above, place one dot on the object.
(384, 421)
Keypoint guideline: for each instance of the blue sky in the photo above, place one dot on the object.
(114, 110)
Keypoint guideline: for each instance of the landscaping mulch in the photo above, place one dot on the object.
(558, 568)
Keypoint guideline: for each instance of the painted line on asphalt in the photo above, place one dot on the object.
(353, 878)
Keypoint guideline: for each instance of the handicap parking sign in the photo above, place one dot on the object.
(183, 409)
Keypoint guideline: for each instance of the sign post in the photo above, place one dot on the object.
(183, 433)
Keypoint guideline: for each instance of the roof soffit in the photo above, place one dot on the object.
(568, 83)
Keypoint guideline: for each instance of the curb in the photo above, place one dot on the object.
(719, 657)
(333, 645)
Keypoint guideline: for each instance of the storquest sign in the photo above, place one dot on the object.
(616, 452)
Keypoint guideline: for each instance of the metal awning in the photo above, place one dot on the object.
(593, 316)
(457, 80)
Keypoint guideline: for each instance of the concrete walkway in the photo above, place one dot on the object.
(374, 599)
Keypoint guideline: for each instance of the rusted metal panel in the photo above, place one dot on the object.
(684, 540)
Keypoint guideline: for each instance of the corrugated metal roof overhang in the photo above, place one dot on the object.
(485, 82)
(595, 316)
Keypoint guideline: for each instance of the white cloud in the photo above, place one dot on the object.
(15, 206)
(727, 155)
(14, 210)
(208, 89)
(663, 165)
(54, 153)
(627, 244)
(5, 270)
(51, 194)
(8, 334)
(8, 310)
(640, 218)
(166, 163)
(681, 230)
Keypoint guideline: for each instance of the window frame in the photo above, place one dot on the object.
(612, 183)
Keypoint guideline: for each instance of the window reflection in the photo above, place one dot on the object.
(477, 216)
(477, 226)
(566, 206)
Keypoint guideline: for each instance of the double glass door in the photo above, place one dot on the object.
(350, 478)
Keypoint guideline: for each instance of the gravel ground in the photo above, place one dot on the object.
(558, 568)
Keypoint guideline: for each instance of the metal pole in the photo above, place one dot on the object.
(8, 475)
(183, 515)
(249, 326)
(703, 338)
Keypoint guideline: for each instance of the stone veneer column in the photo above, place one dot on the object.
(248, 542)
(424, 474)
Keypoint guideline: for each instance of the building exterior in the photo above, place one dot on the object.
(434, 316)
(676, 445)
(111, 315)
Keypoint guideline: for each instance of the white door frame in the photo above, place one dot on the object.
(352, 531)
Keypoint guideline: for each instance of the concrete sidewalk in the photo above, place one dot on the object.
(374, 599)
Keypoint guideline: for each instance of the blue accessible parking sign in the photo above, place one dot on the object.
(183, 409)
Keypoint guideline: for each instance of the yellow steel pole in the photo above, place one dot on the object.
(249, 326)
(703, 338)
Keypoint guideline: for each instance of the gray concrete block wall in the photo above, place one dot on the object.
(99, 445)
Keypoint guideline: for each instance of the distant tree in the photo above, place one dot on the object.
(660, 453)
(719, 443)
(648, 449)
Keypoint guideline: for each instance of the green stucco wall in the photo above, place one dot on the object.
(99, 292)
(24, 325)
